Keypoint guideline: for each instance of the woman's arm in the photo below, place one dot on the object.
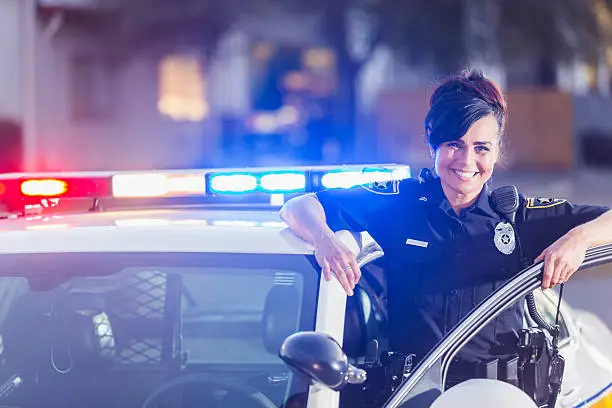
(305, 216)
(564, 256)
(598, 231)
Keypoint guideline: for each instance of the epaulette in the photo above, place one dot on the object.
(542, 202)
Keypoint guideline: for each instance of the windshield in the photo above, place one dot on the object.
(146, 330)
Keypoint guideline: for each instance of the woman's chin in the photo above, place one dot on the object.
(466, 186)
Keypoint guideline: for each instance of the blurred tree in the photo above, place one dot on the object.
(442, 35)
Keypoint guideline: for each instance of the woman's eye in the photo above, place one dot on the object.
(482, 149)
(454, 145)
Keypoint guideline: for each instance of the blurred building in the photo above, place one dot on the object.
(265, 98)
(82, 108)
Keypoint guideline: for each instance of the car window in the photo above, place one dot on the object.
(548, 310)
(366, 316)
(119, 328)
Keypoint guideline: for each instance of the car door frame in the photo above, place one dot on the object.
(512, 291)
(331, 309)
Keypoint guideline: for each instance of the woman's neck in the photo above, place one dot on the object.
(459, 200)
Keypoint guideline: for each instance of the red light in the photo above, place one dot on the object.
(44, 188)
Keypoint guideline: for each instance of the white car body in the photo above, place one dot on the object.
(587, 348)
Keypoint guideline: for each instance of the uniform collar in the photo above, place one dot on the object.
(437, 198)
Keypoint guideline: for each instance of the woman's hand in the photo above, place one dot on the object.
(562, 258)
(334, 257)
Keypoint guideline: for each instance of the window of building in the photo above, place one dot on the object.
(182, 88)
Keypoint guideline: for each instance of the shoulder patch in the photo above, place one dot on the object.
(541, 202)
(382, 187)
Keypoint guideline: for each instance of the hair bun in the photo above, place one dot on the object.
(475, 74)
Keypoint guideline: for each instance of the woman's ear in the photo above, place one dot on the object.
(432, 152)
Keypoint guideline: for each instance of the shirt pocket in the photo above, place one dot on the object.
(420, 250)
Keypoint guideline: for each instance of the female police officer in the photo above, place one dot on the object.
(446, 248)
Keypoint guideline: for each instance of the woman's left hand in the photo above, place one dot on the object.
(562, 258)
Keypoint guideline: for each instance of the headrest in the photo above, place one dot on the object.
(72, 325)
(280, 316)
(484, 393)
(81, 331)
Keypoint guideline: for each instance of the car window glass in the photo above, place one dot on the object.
(138, 322)
(548, 310)
(365, 321)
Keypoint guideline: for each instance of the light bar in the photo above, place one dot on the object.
(23, 191)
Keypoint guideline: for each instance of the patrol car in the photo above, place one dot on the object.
(184, 288)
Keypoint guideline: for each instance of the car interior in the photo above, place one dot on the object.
(83, 349)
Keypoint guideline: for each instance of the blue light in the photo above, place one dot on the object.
(272, 182)
(283, 182)
(233, 183)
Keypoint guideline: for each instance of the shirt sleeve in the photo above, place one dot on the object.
(547, 219)
(360, 209)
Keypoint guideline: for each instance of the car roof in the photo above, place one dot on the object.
(150, 230)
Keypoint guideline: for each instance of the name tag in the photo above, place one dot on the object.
(416, 242)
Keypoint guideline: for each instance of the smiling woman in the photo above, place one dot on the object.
(449, 242)
(464, 128)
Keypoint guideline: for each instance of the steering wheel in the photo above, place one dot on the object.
(212, 382)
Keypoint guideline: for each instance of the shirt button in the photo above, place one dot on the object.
(454, 292)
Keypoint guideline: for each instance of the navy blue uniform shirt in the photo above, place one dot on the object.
(441, 265)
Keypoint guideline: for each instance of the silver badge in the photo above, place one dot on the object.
(504, 238)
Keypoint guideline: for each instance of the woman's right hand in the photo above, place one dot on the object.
(335, 257)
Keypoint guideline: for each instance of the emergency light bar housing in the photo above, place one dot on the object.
(21, 191)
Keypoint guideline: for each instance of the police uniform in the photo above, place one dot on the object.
(439, 266)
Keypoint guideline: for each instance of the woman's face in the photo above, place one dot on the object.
(465, 165)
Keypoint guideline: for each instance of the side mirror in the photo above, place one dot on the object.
(320, 358)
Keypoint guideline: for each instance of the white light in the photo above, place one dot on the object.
(157, 185)
(401, 173)
(233, 183)
(158, 222)
(341, 179)
(234, 223)
(351, 178)
(283, 182)
(142, 222)
(188, 184)
(139, 185)
(273, 224)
